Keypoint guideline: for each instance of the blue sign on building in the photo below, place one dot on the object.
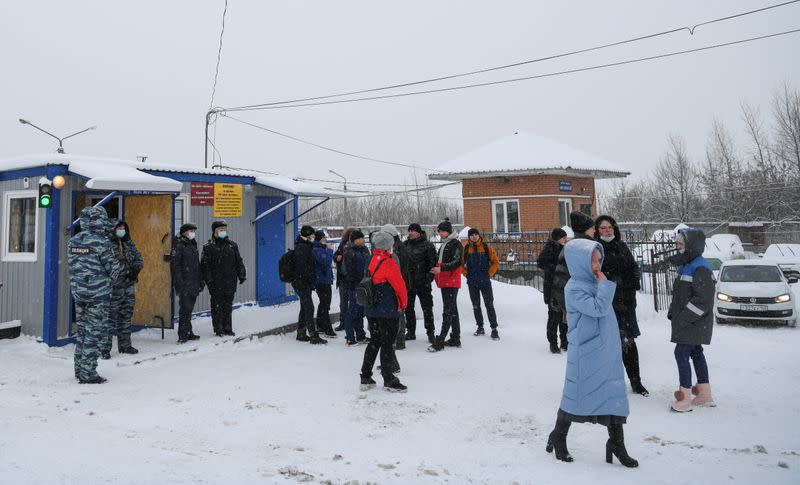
(565, 185)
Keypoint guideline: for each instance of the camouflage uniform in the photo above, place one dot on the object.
(123, 295)
(93, 271)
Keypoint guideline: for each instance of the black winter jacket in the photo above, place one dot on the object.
(221, 265)
(547, 261)
(620, 267)
(422, 258)
(356, 260)
(692, 308)
(125, 251)
(561, 278)
(401, 253)
(185, 265)
(304, 265)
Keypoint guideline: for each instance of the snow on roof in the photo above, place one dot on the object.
(128, 175)
(526, 154)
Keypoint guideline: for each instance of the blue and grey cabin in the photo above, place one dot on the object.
(155, 200)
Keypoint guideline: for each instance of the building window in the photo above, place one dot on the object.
(586, 209)
(181, 212)
(564, 208)
(20, 225)
(506, 216)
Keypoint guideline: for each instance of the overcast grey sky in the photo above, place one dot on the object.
(142, 71)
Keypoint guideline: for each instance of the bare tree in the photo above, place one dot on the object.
(675, 180)
(786, 111)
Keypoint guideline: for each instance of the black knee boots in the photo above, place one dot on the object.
(558, 439)
(615, 446)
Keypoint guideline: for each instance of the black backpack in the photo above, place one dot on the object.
(286, 267)
(366, 296)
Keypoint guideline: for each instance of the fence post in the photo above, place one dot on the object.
(655, 279)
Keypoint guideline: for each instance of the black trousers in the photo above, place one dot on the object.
(475, 292)
(555, 325)
(185, 308)
(305, 320)
(382, 333)
(325, 294)
(630, 359)
(450, 318)
(426, 301)
(221, 309)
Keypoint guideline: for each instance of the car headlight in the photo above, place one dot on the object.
(783, 298)
(723, 297)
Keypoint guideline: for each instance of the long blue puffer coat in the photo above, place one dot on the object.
(595, 382)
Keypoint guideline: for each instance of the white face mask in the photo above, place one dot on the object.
(607, 238)
(681, 251)
(120, 233)
(190, 235)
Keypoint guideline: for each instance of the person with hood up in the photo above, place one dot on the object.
(221, 266)
(421, 260)
(594, 385)
(692, 315)
(547, 262)
(123, 295)
(447, 274)
(583, 227)
(356, 259)
(338, 258)
(186, 278)
(480, 265)
(93, 273)
(620, 267)
(323, 265)
(391, 299)
(305, 279)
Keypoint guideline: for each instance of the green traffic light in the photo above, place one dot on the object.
(44, 201)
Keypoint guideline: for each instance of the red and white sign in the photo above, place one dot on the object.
(202, 193)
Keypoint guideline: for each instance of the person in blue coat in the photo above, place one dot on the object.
(323, 265)
(594, 387)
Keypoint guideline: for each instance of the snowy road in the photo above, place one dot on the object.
(277, 411)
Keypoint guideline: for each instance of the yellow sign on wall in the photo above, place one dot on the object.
(227, 200)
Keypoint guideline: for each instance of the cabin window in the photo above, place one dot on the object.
(20, 225)
(506, 216)
(564, 208)
(181, 212)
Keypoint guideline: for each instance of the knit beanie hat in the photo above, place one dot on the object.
(446, 226)
(580, 222)
(415, 227)
(320, 235)
(391, 230)
(472, 231)
(382, 240)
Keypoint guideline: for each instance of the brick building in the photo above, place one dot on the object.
(526, 183)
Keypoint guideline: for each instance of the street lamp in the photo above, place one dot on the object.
(346, 213)
(60, 140)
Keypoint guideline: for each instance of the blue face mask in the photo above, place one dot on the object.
(222, 234)
(120, 233)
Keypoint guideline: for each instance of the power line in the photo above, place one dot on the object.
(372, 184)
(690, 29)
(321, 147)
(219, 56)
(528, 78)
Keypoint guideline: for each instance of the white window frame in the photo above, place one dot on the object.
(186, 200)
(6, 221)
(569, 209)
(503, 202)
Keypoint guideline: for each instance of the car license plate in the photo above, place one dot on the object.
(754, 308)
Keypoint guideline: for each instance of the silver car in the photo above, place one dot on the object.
(751, 291)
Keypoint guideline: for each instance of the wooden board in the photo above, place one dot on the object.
(150, 221)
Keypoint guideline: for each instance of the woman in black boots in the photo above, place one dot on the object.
(594, 387)
(620, 267)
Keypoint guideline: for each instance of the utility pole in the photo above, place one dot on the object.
(210, 113)
(416, 184)
(346, 212)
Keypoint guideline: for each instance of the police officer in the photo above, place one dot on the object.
(123, 295)
(93, 272)
(220, 266)
(185, 265)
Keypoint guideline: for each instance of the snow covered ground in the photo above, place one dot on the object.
(277, 411)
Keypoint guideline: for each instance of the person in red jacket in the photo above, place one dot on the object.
(447, 274)
(384, 316)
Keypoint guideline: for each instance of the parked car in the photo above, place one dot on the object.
(730, 244)
(787, 256)
(750, 291)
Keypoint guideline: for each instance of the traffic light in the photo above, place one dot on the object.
(45, 193)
